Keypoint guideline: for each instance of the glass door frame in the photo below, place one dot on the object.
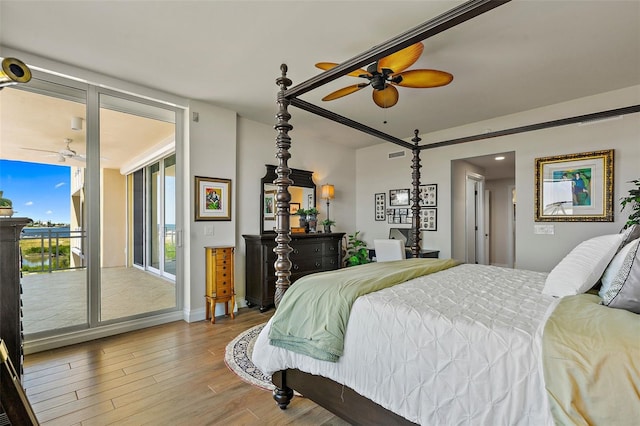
(44, 83)
(160, 207)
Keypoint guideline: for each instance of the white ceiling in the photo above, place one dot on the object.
(519, 56)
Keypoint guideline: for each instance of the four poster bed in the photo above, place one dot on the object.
(431, 341)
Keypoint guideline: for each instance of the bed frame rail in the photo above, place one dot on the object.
(339, 399)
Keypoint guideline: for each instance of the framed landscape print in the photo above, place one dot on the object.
(213, 198)
(574, 187)
(429, 195)
(428, 219)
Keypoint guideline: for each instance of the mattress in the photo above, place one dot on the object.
(461, 346)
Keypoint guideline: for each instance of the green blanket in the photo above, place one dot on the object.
(313, 314)
(591, 363)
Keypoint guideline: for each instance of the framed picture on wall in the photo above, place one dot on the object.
(380, 207)
(574, 187)
(428, 219)
(294, 207)
(269, 205)
(428, 195)
(398, 197)
(213, 198)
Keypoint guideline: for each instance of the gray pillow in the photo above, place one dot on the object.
(629, 234)
(624, 291)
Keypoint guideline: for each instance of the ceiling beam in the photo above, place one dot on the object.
(602, 115)
(348, 122)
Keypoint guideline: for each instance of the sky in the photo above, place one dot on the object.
(40, 192)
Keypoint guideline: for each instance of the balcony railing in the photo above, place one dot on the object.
(53, 250)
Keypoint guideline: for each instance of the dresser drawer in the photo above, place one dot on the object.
(304, 250)
(223, 288)
(223, 255)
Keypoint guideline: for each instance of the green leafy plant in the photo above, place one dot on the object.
(5, 202)
(301, 212)
(356, 251)
(328, 222)
(633, 200)
(312, 211)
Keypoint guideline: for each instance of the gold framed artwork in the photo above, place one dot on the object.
(574, 187)
(213, 198)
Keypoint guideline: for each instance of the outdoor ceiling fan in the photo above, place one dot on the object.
(388, 72)
(63, 154)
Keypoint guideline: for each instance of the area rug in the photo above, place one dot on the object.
(238, 358)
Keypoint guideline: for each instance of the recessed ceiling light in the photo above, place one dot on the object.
(500, 158)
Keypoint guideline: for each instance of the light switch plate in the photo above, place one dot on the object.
(208, 230)
(544, 229)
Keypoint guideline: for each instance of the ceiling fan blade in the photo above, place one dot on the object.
(328, 65)
(41, 150)
(386, 98)
(344, 91)
(424, 78)
(402, 59)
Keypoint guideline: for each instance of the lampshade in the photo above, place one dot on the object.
(328, 192)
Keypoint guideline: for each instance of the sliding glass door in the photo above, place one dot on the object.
(162, 217)
(96, 170)
(134, 281)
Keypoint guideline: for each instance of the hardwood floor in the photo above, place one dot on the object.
(173, 374)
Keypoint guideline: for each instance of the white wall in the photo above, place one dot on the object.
(211, 152)
(535, 252)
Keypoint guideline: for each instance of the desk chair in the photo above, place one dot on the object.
(387, 250)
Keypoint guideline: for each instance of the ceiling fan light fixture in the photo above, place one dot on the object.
(389, 71)
(76, 123)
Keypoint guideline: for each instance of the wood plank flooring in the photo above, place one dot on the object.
(173, 374)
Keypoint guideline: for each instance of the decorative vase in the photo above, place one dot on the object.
(312, 220)
(6, 211)
(327, 229)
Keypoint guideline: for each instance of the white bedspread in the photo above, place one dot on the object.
(461, 346)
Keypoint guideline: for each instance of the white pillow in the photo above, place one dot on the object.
(582, 267)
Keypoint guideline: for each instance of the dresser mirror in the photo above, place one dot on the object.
(303, 195)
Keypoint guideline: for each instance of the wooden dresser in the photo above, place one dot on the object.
(311, 253)
(219, 280)
(12, 399)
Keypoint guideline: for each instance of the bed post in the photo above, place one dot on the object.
(415, 196)
(282, 264)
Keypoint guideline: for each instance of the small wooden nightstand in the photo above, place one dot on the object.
(219, 280)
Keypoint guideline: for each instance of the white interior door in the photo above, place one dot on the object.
(475, 219)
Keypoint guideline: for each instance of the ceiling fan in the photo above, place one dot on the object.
(388, 72)
(63, 154)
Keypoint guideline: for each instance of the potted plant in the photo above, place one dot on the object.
(6, 206)
(312, 219)
(327, 224)
(356, 251)
(633, 199)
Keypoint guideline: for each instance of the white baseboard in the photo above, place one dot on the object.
(79, 336)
